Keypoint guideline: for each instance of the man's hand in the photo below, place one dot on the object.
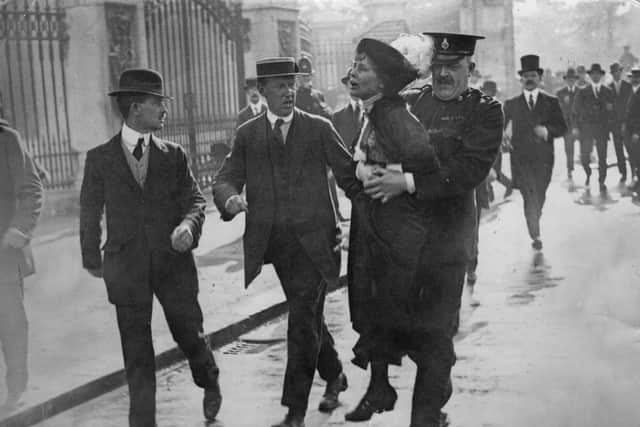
(541, 132)
(14, 239)
(575, 132)
(385, 185)
(95, 272)
(236, 204)
(181, 238)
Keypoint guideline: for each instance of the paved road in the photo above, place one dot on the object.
(546, 339)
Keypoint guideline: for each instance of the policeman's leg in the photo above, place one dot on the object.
(14, 337)
(134, 323)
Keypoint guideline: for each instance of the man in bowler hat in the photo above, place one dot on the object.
(466, 127)
(593, 114)
(566, 97)
(20, 204)
(280, 160)
(536, 120)
(622, 91)
(155, 213)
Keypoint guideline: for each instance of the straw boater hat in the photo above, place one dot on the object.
(277, 67)
(142, 81)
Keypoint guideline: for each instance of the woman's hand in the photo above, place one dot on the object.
(385, 184)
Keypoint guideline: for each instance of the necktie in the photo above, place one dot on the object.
(357, 112)
(531, 104)
(137, 152)
(597, 91)
(277, 131)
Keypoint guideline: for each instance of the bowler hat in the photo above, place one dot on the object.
(140, 80)
(396, 70)
(615, 67)
(595, 68)
(451, 47)
(277, 67)
(571, 74)
(304, 64)
(530, 63)
(635, 72)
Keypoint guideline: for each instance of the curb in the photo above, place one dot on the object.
(82, 394)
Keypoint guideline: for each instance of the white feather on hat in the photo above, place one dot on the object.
(417, 48)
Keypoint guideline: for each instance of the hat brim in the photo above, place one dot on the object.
(281, 75)
(538, 70)
(140, 92)
(602, 72)
(570, 77)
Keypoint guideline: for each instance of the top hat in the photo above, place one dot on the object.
(571, 74)
(596, 68)
(277, 67)
(305, 65)
(389, 62)
(142, 81)
(346, 77)
(530, 63)
(615, 67)
(635, 72)
(451, 47)
(489, 85)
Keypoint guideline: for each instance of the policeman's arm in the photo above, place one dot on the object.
(338, 158)
(465, 169)
(26, 183)
(91, 207)
(230, 179)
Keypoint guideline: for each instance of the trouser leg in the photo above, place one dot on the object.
(618, 144)
(134, 323)
(586, 147)
(569, 149)
(14, 335)
(532, 210)
(601, 147)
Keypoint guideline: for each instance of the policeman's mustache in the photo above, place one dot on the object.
(444, 80)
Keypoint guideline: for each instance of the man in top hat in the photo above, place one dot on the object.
(567, 96)
(280, 160)
(20, 204)
(309, 99)
(348, 119)
(593, 113)
(622, 92)
(536, 120)
(155, 213)
(255, 105)
(466, 127)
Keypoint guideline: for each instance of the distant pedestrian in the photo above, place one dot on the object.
(255, 105)
(536, 120)
(308, 98)
(348, 119)
(622, 92)
(627, 60)
(583, 78)
(566, 96)
(154, 216)
(632, 134)
(20, 204)
(280, 160)
(490, 88)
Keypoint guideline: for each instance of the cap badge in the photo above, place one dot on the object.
(445, 44)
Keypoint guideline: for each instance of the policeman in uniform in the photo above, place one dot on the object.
(307, 98)
(466, 127)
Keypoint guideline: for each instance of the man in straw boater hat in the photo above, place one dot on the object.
(566, 96)
(466, 128)
(536, 120)
(593, 112)
(155, 213)
(280, 159)
(622, 91)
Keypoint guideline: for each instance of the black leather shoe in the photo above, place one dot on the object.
(373, 403)
(330, 401)
(211, 402)
(291, 421)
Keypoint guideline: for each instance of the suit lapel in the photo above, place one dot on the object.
(119, 162)
(157, 163)
(296, 139)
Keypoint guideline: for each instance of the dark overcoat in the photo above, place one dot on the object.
(594, 116)
(246, 114)
(139, 221)
(347, 122)
(621, 101)
(566, 99)
(315, 145)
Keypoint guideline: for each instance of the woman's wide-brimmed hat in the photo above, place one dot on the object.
(277, 67)
(142, 81)
(388, 61)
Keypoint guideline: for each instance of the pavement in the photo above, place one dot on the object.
(546, 339)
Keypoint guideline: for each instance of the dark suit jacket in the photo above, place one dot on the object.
(139, 221)
(633, 115)
(20, 202)
(566, 99)
(592, 113)
(621, 100)
(347, 123)
(315, 145)
(547, 113)
(246, 114)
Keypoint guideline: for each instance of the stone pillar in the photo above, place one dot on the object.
(105, 37)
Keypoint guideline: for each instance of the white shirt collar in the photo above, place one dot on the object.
(273, 118)
(596, 86)
(534, 92)
(354, 103)
(256, 108)
(130, 137)
(635, 88)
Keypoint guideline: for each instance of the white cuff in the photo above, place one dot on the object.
(411, 184)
